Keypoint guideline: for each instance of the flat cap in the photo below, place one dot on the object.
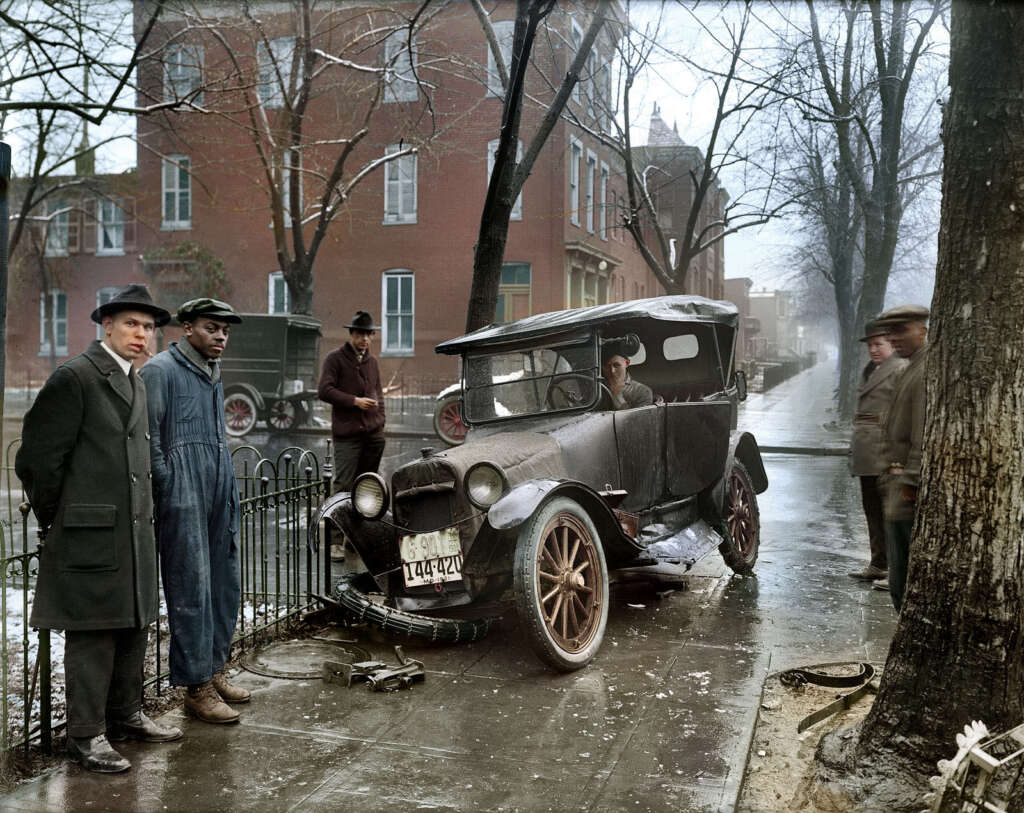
(873, 329)
(901, 314)
(210, 308)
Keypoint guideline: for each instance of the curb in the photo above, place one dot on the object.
(818, 451)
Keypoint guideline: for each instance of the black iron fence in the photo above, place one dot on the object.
(280, 578)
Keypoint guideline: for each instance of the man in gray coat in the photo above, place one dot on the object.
(878, 382)
(197, 507)
(904, 439)
(84, 463)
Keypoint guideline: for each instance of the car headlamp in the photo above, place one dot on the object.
(485, 483)
(370, 495)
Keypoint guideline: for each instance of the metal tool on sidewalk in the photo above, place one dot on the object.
(799, 677)
(378, 675)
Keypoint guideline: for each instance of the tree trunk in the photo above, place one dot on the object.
(5, 174)
(958, 653)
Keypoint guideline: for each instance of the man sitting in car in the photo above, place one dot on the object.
(626, 393)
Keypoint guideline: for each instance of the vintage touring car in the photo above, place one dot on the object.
(553, 489)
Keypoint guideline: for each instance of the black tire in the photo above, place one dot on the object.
(240, 413)
(742, 521)
(448, 420)
(559, 566)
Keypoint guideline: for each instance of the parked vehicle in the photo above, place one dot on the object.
(552, 490)
(270, 372)
(448, 423)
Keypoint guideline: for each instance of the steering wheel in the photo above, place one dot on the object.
(569, 397)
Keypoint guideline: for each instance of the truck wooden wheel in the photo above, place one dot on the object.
(560, 583)
(239, 413)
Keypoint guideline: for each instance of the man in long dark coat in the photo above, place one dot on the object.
(84, 463)
(197, 507)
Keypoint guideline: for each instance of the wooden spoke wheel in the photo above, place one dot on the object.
(742, 520)
(448, 420)
(561, 585)
(239, 413)
(285, 415)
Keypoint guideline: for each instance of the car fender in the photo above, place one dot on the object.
(523, 501)
(451, 389)
(249, 390)
(742, 447)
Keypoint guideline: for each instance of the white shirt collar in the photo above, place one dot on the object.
(124, 364)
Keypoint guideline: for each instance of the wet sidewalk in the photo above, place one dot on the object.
(661, 720)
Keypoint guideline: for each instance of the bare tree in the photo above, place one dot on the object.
(509, 172)
(666, 176)
(957, 655)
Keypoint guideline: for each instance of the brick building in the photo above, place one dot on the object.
(402, 243)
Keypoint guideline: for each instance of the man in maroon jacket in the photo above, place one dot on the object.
(350, 383)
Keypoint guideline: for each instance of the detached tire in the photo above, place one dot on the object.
(742, 521)
(448, 420)
(560, 581)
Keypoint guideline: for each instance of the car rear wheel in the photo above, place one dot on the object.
(448, 420)
(560, 583)
(285, 415)
(742, 520)
(239, 413)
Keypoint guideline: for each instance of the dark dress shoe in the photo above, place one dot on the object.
(95, 754)
(140, 727)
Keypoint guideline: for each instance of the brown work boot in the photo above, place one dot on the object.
(203, 703)
(228, 691)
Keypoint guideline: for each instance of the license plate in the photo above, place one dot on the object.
(431, 558)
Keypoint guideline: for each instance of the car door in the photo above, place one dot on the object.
(640, 440)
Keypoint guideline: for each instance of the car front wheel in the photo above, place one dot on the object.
(742, 521)
(560, 583)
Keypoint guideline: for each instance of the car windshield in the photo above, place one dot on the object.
(530, 381)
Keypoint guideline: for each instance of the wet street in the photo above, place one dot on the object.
(661, 720)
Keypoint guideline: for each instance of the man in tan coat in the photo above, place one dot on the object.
(878, 383)
(904, 436)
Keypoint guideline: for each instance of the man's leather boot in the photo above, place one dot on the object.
(228, 691)
(203, 703)
(95, 754)
(140, 727)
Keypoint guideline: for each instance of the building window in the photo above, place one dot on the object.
(57, 227)
(103, 296)
(513, 292)
(575, 156)
(109, 227)
(590, 180)
(604, 112)
(183, 72)
(53, 323)
(274, 70)
(577, 41)
(400, 188)
(492, 150)
(602, 211)
(278, 300)
(504, 32)
(399, 307)
(593, 100)
(291, 167)
(177, 193)
(398, 70)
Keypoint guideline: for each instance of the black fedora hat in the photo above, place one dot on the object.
(362, 321)
(132, 297)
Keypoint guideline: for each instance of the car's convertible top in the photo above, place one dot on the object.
(666, 308)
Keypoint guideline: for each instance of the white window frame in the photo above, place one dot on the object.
(590, 190)
(183, 71)
(605, 113)
(56, 296)
(592, 105)
(179, 164)
(577, 41)
(492, 150)
(399, 75)
(58, 228)
(109, 223)
(390, 345)
(103, 296)
(398, 174)
(602, 218)
(504, 32)
(575, 159)
(273, 278)
(282, 54)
